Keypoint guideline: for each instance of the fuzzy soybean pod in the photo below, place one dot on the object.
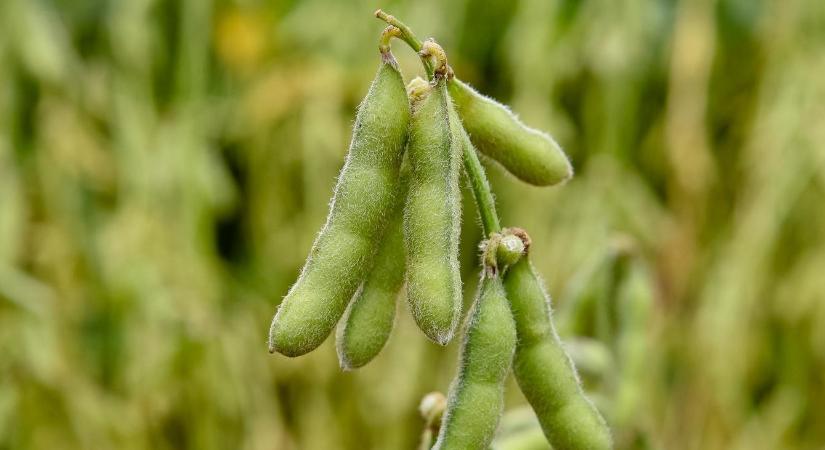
(362, 203)
(369, 318)
(432, 215)
(531, 155)
(544, 371)
(476, 396)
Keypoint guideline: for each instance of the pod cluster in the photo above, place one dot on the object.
(394, 221)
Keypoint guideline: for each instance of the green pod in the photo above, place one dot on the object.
(369, 318)
(363, 200)
(581, 310)
(531, 155)
(432, 215)
(635, 302)
(544, 371)
(476, 396)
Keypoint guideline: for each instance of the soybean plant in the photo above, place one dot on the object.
(383, 225)
(364, 196)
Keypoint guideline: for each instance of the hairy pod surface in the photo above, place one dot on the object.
(362, 203)
(544, 371)
(531, 155)
(369, 318)
(432, 216)
(476, 397)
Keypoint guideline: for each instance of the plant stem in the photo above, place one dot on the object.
(481, 192)
(407, 36)
(436, 56)
(386, 36)
(472, 166)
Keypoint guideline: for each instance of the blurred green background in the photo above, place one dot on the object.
(165, 165)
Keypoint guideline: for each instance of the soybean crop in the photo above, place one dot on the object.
(392, 230)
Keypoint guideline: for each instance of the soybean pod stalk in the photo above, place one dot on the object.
(482, 193)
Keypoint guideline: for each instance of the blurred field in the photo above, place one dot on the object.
(165, 165)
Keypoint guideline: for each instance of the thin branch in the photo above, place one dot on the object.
(482, 193)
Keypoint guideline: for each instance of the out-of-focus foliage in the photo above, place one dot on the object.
(165, 165)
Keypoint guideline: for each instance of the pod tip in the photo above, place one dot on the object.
(443, 339)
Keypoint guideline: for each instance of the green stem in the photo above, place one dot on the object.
(475, 171)
(436, 56)
(481, 192)
(407, 36)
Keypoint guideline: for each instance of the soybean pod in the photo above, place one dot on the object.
(635, 302)
(544, 371)
(369, 318)
(432, 215)
(362, 203)
(531, 155)
(476, 396)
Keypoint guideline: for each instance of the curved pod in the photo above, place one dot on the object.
(529, 154)
(364, 196)
(476, 397)
(544, 371)
(368, 320)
